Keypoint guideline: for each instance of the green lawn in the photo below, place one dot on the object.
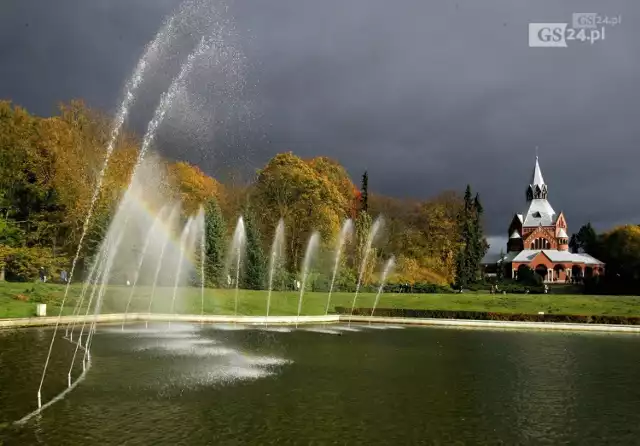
(285, 303)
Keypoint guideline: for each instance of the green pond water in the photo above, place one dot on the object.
(197, 386)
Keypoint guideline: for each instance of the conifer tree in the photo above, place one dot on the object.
(463, 274)
(480, 245)
(215, 234)
(363, 226)
(255, 266)
(473, 245)
(365, 191)
(585, 240)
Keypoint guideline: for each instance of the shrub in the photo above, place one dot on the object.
(490, 316)
(23, 264)
(527, 276)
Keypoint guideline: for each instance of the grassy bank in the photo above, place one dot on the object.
(217, 301)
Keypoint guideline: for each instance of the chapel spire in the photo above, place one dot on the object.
(537, 188)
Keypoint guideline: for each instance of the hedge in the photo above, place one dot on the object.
(490, 316)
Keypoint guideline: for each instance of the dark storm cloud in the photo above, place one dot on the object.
(425, 95)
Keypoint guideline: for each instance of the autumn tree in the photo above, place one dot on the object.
(194, 186)
(335, 174)
(26, 192)
(11, 237)
(412, 271)
(49, 168)
(426, 231)
(291, 189)
(620, 250)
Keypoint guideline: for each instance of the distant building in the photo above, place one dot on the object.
(539, 239)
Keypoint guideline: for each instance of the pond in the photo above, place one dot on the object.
(369, 385)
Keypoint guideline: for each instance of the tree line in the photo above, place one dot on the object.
(619, 249)
(49, 166)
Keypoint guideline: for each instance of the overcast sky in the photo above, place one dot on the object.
(427, 96)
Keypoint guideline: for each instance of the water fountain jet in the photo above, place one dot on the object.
(391, 263)
(236, 252)
(129, 96)
(312, 246)
(172, 216)
(373, 232)
(203, 255)
(166, 100)
(147, 240)
(183, 242)
(274, 259)
(345, 233)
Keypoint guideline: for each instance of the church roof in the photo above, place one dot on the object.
(539, 213)
(562, 233)
(515, 235)
(589, 260)
(527, 255)
(562, 256)
(508, 257)
(536, 177)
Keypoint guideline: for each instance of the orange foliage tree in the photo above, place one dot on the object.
(193, 186)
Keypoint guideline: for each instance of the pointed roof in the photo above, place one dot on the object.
(537, 189)
(540, 213)
(514, 235)
(562, 233)
(536, 177)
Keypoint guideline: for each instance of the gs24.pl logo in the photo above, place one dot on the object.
(587, 27)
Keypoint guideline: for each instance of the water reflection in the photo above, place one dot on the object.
(202, 385)
(544, 390)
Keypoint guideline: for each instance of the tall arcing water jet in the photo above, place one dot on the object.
(167, 98)
(275, 258)
(217, 27)
(312, 246)
(113, 243)
(203, 255)
(183, 247)
(129, 96)
(236, 253)
(389, 265)
(345, 233)
(365, 258)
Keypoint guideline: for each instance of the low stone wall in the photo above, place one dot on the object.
(495, 325)
(490, 316)
(145, 317)
(333, 318)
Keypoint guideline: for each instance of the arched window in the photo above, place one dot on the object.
(541, 243)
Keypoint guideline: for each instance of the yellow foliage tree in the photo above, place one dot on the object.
(412, 271)
(193, 186)
(291, 189)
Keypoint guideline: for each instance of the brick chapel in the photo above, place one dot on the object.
(538, 239)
